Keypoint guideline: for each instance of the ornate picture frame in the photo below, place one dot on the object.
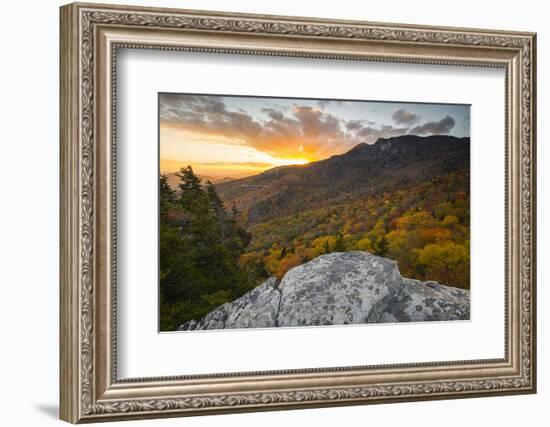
(91, 35)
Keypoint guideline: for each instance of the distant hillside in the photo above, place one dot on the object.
(173, 180)
(406, 199)
(366, 170)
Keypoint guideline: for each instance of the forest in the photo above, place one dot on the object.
(200, 248)
(210, 253)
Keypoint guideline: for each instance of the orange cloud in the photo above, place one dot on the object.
(298, 132)
(306, 132)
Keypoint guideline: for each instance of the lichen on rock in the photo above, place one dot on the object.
(337, 289)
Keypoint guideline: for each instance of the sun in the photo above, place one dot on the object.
(288, 162)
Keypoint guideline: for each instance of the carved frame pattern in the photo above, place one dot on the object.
(80, 22)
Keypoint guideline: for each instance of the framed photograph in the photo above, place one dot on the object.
(266, 212)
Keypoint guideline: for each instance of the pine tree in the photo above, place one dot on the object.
(192, 197)
(382, 246)
(189, 181)
(166, 196)
(217, 208)
(199, 260)
(166, 193)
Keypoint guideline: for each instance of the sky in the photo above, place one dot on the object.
(237, 136)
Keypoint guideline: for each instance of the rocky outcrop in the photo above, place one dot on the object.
(255, 309)
(338, 289)
(425, 301)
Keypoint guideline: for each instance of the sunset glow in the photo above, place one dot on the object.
(216, 156)
(233, 137)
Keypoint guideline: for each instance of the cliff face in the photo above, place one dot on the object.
(338, 289)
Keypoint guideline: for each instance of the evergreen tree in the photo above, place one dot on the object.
(200, 248)
(166, 196)
(217, 208)
(192, 197)
(166, 193)
(381, 248)
(339, 245)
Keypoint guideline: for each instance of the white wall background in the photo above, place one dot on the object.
(29, 170)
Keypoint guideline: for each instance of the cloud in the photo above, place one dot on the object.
(371, 134)
(274, 114)
(354, 125)
(296, 131)
(323, 103)
(402, 116)
(207, 115)
(443, 126)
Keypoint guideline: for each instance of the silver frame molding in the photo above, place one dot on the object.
(90, 37)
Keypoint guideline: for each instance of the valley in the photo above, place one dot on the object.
(404, 198)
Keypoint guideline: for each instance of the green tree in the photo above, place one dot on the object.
(200, 247)
(166, 193)
(192, 196)
(217, 209)
(166, 196)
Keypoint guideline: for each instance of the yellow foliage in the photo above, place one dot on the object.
(446, 262)
(412, 220)
(365, 244)
(424, 228)
(450, 221)
(320, 245)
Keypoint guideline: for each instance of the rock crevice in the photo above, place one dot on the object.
(338, 289)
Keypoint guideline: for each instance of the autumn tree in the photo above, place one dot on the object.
(447, 263)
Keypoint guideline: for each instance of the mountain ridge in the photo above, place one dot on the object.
(364, 170)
